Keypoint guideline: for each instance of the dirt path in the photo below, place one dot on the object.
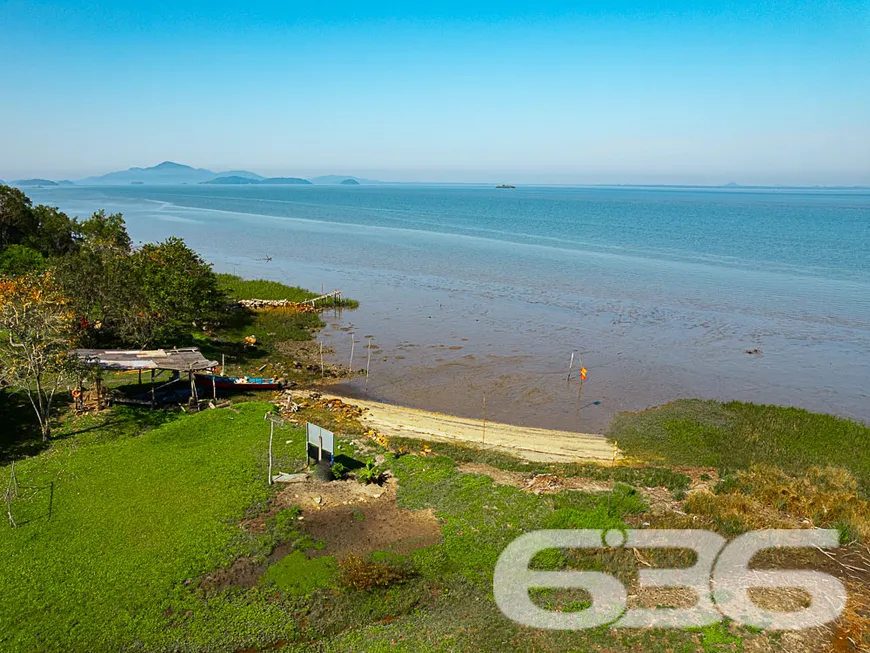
(530, 443)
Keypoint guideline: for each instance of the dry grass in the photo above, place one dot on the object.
(766, 497)
(852, 631)
(361, 574)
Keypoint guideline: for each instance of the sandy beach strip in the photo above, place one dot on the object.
(530, 443)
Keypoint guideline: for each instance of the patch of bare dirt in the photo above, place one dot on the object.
(244, 572)
(661, 500)
(349, 517)
(535, 483)
(499, 476)
(354, 518)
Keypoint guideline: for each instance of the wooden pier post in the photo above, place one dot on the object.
(484, 418)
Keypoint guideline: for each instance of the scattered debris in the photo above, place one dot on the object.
(544, 484)
(376, 437)
(284, 477)
(256, 304)
(753, 352)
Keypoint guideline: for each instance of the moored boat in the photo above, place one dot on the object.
(239, 382)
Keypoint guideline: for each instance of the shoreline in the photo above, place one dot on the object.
(532, 444)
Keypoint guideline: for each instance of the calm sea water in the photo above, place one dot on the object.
(467, 290)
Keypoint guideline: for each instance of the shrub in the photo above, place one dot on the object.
(370, 473)
(360, 574)
(339, 471)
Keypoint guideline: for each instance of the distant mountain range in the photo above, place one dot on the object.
(169, 172)
(238, 180)
(41, 182)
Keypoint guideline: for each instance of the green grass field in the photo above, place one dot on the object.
(112, 526)
(735, 435)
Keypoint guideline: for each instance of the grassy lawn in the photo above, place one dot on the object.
(736, 435)
(125, 513)
(112, 526)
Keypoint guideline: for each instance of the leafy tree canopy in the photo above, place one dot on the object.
(104, 230)
(18, 259)
(44, 229)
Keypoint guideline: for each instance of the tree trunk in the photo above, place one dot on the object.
(42, 410)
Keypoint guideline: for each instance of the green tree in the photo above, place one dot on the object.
(153, 295)
(44, 229)
(102, 289)
(104, 230)
(38, 334)
(177, 289)
(53, 232)
(18, 259)
(16, 217)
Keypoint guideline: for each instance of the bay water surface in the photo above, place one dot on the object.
(467, 290)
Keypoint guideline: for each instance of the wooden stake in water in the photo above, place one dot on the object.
(484, 418)
(352, 344)
(368, 364)
(570, 366)
(322, 373)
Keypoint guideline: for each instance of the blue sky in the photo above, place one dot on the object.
(545, 92)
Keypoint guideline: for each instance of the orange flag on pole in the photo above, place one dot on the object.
(582, 373)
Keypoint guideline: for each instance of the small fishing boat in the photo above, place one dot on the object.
(239, 382)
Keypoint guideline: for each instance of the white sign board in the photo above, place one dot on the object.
(320, 443)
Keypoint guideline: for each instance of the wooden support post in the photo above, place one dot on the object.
(13, 481)
(153, 393)
(213, 386)
(223, 364)
(352, 344)
(570, 366)
(140, 377)
(368, 364)
(484, 418)
(271, 435)
(9, 509)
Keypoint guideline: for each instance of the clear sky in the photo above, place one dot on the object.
(562, 92)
